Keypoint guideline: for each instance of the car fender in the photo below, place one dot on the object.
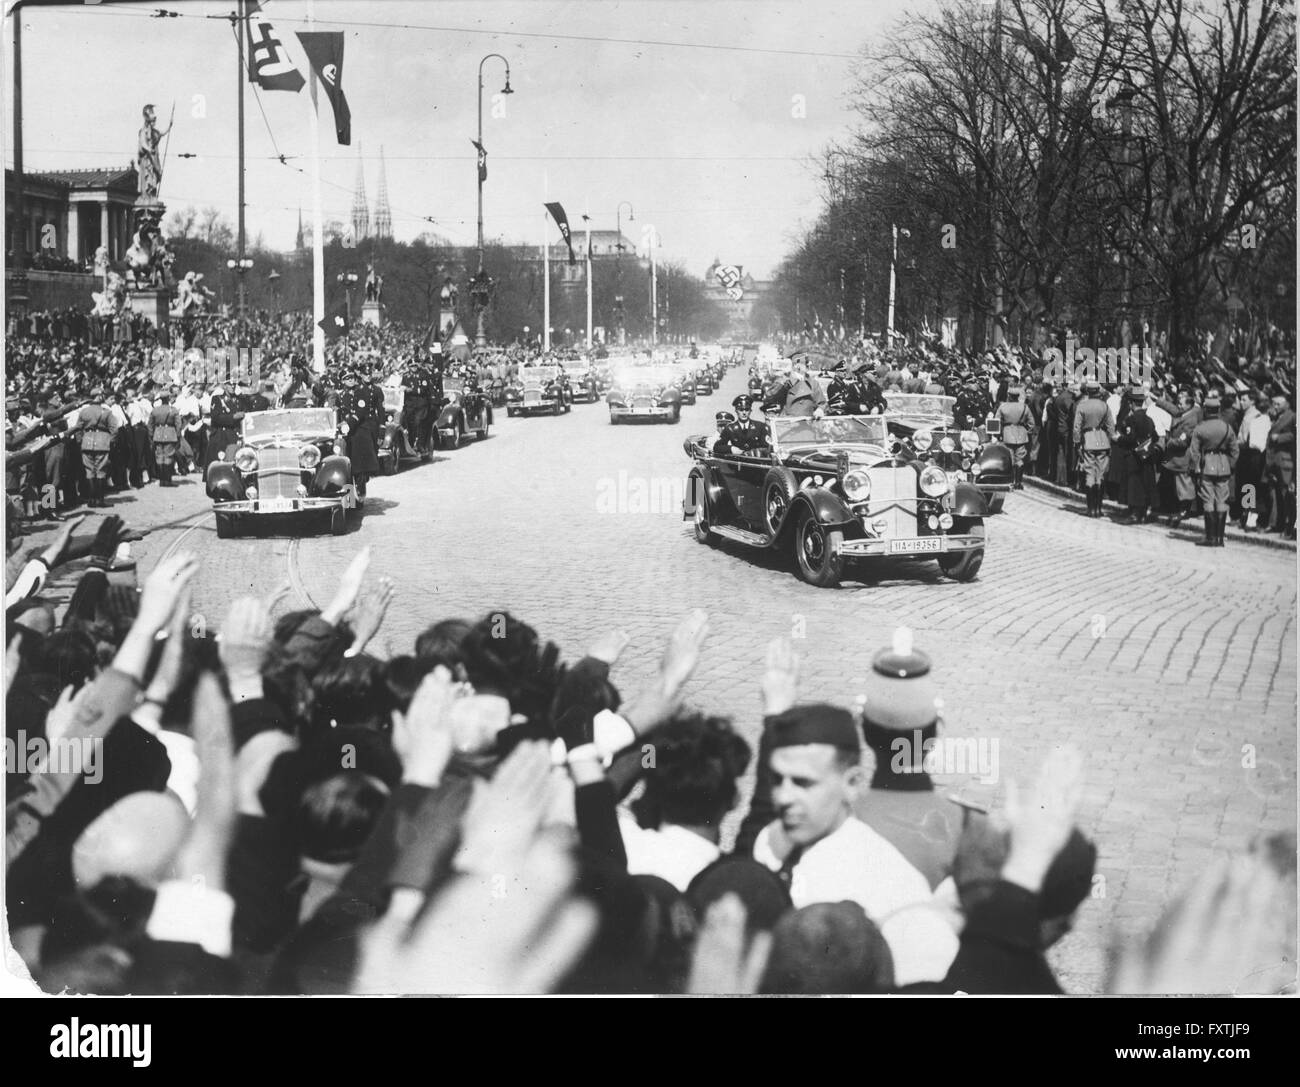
(703, 475)
(333, 474)
(827, 508)
(224, 483)
(450, 417)
(967, 501)
(995, 459)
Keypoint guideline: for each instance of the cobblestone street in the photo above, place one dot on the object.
(1172, 667)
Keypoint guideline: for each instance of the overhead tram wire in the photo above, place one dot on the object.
(589, 39)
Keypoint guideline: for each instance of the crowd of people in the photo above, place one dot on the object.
(269, 808)
(1190, 437)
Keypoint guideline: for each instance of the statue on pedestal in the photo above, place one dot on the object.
(148, 164)
(148, 260)
(374, 284)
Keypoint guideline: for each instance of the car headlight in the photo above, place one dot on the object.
(308, 457)
(856, 485)
(246, 460)
(922, 440)
(934, 481)
(947, 444)
(969, 441)
(975, 469)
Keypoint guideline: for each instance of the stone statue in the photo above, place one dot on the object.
(112, 299)
(148, 258)
(148, 164)
(374, 284)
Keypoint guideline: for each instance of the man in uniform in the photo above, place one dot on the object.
(165, 433)
(1212, 456)
(721, 421)
(415, 405)
(96, 426)
(971, 407)
(1017, 431)
(1137, 441)
(354, 414)
(1061, 413)
(800, 394)
(1094, 434)
(1279, 461)
(745, 435)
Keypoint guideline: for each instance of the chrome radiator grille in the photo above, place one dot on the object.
(278, 474)
(893, 496)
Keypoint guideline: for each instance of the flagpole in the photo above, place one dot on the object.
(546, 268)
(240, 300)
(588, 219)
(317, 229)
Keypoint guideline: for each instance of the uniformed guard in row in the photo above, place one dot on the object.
(745, 435)
(360, 414)
(1094, 435)
(1213, 458)
(1017, 431)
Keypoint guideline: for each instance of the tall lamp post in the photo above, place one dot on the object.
(618, 297)
(481, 286)
(348, 280)
(893, 262)
(240, 267)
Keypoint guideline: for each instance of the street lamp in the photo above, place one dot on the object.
(481, 286)
(618, 299)
(348, 280)
(893, 261)
(240, 268)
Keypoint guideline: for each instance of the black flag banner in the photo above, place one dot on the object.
(482, 159)
(562, 221)
(325, 52)
(269, 65)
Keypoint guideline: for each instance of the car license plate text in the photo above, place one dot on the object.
(275, 505)
(933, 543)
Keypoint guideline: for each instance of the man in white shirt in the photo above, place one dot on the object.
(1252, 437)
(827, 854)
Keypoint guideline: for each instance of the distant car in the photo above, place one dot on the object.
(465, 410)
(831, 491)
(925, 424)
(582, 381)
(644, 392)
(684, 378)
(289, 462)
(539, 390)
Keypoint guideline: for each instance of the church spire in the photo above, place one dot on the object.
(360, 210)
(383, 215)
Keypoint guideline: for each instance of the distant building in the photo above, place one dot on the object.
(605, 252)
(360, 210)
(383, 215)
(84, 208)
(740, 310)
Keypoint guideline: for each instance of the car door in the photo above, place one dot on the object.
(742, 478)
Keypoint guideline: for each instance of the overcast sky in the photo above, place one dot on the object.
(703, 138)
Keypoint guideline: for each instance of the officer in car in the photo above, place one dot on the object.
(744, 435)
(721, 421)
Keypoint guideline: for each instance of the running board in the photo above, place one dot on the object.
(743, 535)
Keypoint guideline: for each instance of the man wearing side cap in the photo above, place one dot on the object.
(1212, 457)
(811, 754)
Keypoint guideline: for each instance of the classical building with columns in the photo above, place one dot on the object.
(85, 208)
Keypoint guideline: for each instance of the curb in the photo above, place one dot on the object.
(1253, 539)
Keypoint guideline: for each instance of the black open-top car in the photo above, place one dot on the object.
(288, 462)
(832, 490)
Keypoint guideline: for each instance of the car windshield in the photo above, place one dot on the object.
(267, 426)
(644, 375)
(538, 375)
(921, 408)
(833, 430)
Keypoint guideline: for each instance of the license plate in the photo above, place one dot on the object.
(275, 505)
(911, 547)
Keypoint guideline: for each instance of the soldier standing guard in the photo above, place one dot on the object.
(165, 432)
(354, 412)
(1213, 457)
(1094, 434)
(1017, 431)
(97, 427)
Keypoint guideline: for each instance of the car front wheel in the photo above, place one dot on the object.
(995, 502)
(817, 551)
(700, 523)
(225, 526)
(963, 565)
(338, 521)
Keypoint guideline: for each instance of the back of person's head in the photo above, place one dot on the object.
(828, 948)
(505, 656)
(70, 656)
(763, 895)
(335, 816)
(440, 643)
(352, 694)
(136, 838)
(403, 677)
(698, 761)
(87, 945)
